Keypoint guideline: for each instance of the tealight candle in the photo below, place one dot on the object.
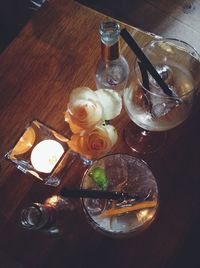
(45, 155)
(42, 152)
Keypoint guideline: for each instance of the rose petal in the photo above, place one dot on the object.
(112, 133)
(94, 144)
(111, 102)
(83, 93)
(74, 127)
(84, 115)
(98, 143)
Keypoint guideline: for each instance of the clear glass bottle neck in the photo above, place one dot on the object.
(37, 216)
(109, 33)
(110, 53)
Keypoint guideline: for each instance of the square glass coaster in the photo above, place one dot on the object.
(42, 152)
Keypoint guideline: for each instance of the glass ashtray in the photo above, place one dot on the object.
(42, 152)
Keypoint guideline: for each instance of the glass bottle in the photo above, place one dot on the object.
(38, 217)
(112, 69)
(54, 217)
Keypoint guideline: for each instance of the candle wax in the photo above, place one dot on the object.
(45, 155)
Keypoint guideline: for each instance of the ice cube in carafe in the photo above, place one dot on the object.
(160, 103)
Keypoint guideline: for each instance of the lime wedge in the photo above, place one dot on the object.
(98, 175)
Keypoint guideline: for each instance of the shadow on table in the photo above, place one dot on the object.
(188, 254)
(13, 16)
(7, 261)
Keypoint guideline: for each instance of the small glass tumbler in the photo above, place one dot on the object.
(42, 152)
(121, 173)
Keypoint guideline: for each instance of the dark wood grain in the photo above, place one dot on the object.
(168, 18)
(56, 52)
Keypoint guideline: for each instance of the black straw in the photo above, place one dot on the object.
(145, 78)
(96, 194)
(145, 61)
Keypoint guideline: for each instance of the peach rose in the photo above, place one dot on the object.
(82, 93)
(84, 111)
(111, 102)
(96, 143)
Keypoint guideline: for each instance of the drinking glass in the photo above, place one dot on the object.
(122, 173)
(148, 106)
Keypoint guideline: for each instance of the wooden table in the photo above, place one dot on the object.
(169, 18)
(56, 52)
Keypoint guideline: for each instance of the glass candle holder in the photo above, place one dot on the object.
(42, 152)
